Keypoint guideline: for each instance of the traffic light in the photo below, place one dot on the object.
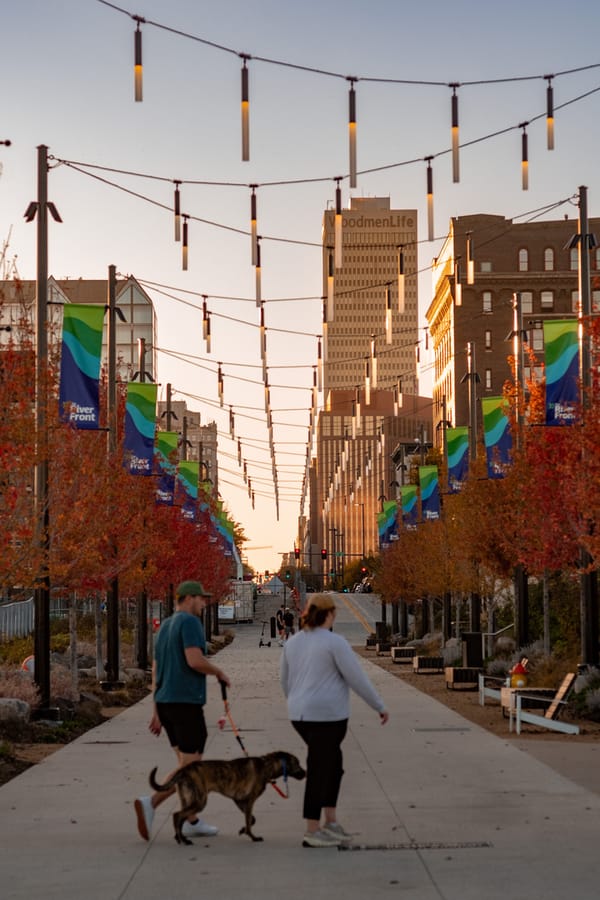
(266, 573)
(363, 570)
(297, 552)
(323, 553)
(287, 575)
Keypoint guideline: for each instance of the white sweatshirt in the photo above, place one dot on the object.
(318, 668)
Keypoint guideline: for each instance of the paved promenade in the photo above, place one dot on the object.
(442, 810)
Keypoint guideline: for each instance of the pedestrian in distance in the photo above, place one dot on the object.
(318, 670)
(280, 623)
(288, 622)
(179, 671)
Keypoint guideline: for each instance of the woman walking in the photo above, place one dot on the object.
(318, 669)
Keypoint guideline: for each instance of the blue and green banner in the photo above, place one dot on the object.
(187, 478)
(561, 346)
(140, 427)
(408, 498)
(224, 528)
(430, 492)
(497, 436)
(457, 457)
(165, 466)
(387, 524)
(79, 401)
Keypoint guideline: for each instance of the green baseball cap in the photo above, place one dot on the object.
(191, 589)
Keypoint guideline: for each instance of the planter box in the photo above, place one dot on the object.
(428, 664)
(371, 643)
(383, 648)
(464, 677)
(403, 654)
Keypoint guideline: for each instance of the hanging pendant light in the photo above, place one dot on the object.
(245, 111)
(338, 236)
(430, 230)
(524, 157)
(184, 246)
(388, 314)
(177, 211)
(455, 140)
(457, 284)
(549, 113)
(330, 287)
(470, 261)
(367, 381)
(253, 226)
(220, 384)
(319, 365)
(357, 400)
(401, 279)
(258, 274)
(354, 420)
(373, 361)
(325, 331)
(137, 62)
(352, 131)
(231, 423)
(239, 452)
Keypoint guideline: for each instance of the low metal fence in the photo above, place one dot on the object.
(16, 619)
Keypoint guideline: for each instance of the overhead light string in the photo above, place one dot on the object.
(524, 157)
(430, 229)
(352, 131)
(245, 110)
(137, 63)
(454, 135)
(549, 113)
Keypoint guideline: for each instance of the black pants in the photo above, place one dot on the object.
(323, 764)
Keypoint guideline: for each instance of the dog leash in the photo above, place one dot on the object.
(238, 738)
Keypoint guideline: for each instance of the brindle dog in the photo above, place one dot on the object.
(243, 780)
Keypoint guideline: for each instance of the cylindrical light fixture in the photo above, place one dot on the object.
(470, 261)
(263, 334)
(524, 158)
(357, 400)
(239, 452)
(457, 284)
(231, 423)
(245, 112)
(338, 237)
(352, 131)
(330, 287)
(177, 211)
(137, 64)
(388, 314)
(373, 361)
(319, 365)
(253, 227)
(258, 273)
(184, 246)
(325, 331)
(367, 381)
(550, 113)
(455, 140)
(401, 279)
(220, 384)
(430, 231)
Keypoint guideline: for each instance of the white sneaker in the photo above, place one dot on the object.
(336, 829)
(145, 815)
(321, 838)
(199, 827)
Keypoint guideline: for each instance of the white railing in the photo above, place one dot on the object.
(16, 619)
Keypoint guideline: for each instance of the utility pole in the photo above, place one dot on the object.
(40, 209)
(521, 580)
(589, 577)
(142, 597)
(112, 595)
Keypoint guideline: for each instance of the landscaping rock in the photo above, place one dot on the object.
(14, 711)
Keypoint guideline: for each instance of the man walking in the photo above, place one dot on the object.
(179, 673)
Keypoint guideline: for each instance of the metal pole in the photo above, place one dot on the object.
(112, 595)
(589, 577)
(142, 598)
(42, 589)
(521, 581)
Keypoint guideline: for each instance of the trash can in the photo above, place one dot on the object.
(382, 632)
(472, 649)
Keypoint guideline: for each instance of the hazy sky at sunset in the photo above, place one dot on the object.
(66, 68)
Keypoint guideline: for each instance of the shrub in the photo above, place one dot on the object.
(18, 685)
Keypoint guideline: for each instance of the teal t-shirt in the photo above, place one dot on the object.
(176, 682)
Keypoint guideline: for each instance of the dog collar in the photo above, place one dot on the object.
(285, 781)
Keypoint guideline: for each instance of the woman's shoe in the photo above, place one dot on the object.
(321, 838)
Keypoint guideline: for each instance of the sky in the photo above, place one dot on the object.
(66, 67)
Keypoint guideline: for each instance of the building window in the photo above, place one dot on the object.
(488, 340)
(537, 339)
(485, 266)
(548, 259)
(488, 379)
(547, 299)
(487, 301)
(575, 302)
(574, 259)
(595, 301)
(523, 259)
(597, 258)
(526, 302)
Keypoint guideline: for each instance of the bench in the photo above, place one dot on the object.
(465, 676)
(428, 664)
(383, 647)
(403, 654)
(556, 702)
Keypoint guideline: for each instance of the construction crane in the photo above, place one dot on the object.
(8, 267)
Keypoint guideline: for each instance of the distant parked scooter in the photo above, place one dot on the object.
(262, 642)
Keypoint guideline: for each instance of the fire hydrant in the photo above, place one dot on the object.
(518, 674)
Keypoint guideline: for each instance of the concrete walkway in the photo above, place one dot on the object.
(440, 808)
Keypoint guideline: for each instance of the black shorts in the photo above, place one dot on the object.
(185, 725)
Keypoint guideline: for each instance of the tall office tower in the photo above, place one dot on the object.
(364, 316)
